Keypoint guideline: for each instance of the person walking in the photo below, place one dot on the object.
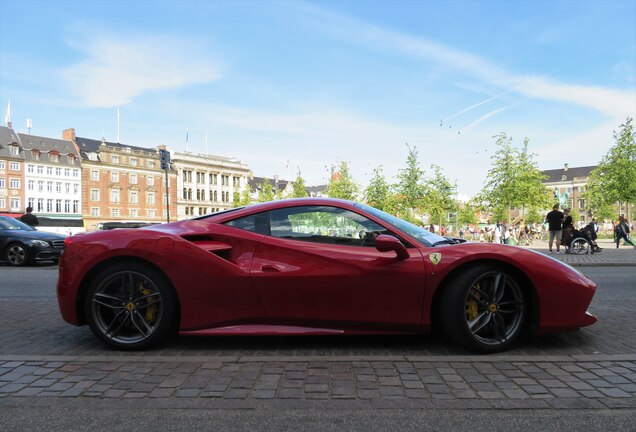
(554, 220)
(29, 218)
(622, 232)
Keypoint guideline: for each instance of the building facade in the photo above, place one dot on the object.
(207, 183)
(53, 180)
(568, 186)
(122, 182)
(11, 172)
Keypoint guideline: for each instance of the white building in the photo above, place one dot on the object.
(53, 180)
(207, 183)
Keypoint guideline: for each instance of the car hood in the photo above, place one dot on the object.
(36, 235)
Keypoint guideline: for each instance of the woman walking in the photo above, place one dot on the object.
(622, 232)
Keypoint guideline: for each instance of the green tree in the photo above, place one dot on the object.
(243, 199)
(299, 189)
(341, 184)
(467, 215)
(266, 192)
(378, 192)
(438, 196)
(410, 188)
(514, 180)
(614, 179)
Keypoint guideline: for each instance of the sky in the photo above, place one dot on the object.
(299, 86)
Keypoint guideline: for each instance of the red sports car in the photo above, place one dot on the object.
(312, 266)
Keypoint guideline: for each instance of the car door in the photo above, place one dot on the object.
(319, 267)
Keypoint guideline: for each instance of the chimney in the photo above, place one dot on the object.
(565, 167)
(69, 134)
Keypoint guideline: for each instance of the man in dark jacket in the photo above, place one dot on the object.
(29, 218)
(554, 220)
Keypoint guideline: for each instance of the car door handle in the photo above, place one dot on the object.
(268, 268)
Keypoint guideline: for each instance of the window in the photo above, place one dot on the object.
(14, 150)
(134, 213)
(3, 203)
(151, 213)
(318, 224)
(49, 205)
(40, 169)
(30, 203)
(114, 177)
(67, 188)
(49, 186)
(114, 195)
(67, 172)
(133, 161)
(94, 211)
(14, 166)
(58, 187)
(71, 160)
(3, 183)
(75, 189)
(54, 157)
(114, 159)
(2, 165)
(14, 183)
(49, 170)
(133, 178)
(15, 203)
(30, 169)
(58, 171)
(76, 173)
(213, 179)
(31, 185)
(236, 182)
(58, 206)
(133, 197)
(151, 164)
(35, 155)
(40, 185)
(150, 198)
(40, 205)
(150, 180)
(94, 194)
(67, 206)
(94, 175)
(76, 206)
(225, 180)
(114, 212)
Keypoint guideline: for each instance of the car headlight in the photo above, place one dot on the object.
(41, 243)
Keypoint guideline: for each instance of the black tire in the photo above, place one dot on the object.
(17, 255)
(484, 309)
(131, 307)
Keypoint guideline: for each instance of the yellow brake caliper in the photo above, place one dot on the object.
(471, 305)
(151, 311)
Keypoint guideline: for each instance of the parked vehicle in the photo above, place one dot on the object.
(312, 266)
(21, 244)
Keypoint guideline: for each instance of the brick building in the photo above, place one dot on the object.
(11, 172)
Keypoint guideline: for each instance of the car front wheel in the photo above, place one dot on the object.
(16, 254)
(484, 309)
(131, 306)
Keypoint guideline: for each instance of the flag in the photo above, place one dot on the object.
(7, 117)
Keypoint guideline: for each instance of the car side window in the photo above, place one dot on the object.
(324, 224)
(256, 223)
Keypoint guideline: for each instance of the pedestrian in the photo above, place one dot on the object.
(566, 229)
(497, 233)
(29, 218)
(622, 232)
(554, 220)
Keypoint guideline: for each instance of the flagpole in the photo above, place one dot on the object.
(187, 146)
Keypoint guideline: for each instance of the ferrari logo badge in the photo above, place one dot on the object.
(435, 258)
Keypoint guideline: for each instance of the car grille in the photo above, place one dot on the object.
(58, 244)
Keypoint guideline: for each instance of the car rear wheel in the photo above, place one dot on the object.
(131, 306)
(16, 254)
(484, 309)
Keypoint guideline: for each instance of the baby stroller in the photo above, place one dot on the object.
(582, 241)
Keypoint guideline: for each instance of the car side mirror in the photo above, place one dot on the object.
(387, 243)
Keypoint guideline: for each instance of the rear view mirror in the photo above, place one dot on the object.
(387, 243)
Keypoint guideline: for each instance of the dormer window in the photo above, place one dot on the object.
(54, 157)
(35, 155)
(564, 177)
(71, 159)
(14, 149)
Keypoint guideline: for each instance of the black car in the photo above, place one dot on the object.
(21, 244)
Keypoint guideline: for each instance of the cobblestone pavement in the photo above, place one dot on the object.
(407, 382)
(609, 256)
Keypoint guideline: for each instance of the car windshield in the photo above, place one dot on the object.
(425, 237)
(10, 223)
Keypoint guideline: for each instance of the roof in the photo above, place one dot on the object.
(47, 145)
(567, 174)
(256, 183)
(88, 145)
(9, 136)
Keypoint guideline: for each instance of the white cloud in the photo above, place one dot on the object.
(612, 102)
(117, 69)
